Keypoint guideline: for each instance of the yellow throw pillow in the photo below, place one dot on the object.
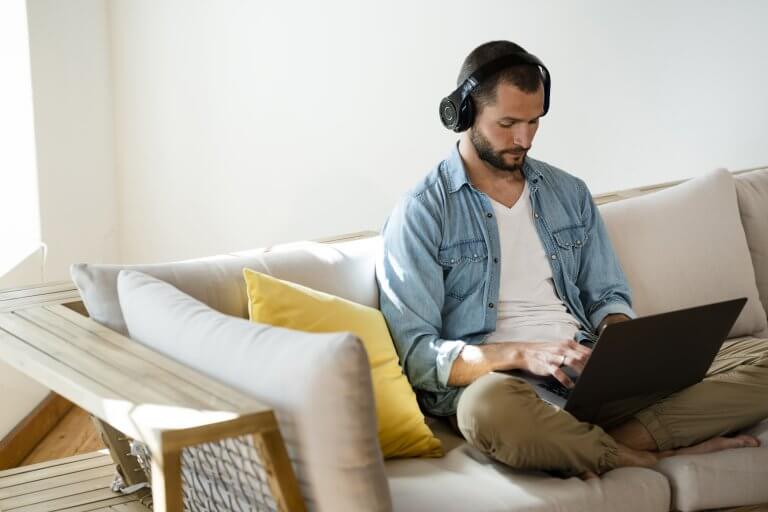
(402, 430)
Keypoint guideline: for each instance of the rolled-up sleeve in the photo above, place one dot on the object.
(411, 291)
(603, 287)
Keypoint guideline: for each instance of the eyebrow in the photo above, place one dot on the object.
(515, 120)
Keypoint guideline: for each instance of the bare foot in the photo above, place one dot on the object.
(631, 457)
(715, 444)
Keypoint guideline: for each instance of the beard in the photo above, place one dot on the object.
(489, 155)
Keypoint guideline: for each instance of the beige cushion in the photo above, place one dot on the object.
(684, 246)
(730, 478)
(752, 193)
(465, 479)
(344, 269)
(318, 384)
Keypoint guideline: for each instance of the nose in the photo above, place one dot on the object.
(523, 134)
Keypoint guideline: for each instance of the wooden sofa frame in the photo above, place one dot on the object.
(134, 392)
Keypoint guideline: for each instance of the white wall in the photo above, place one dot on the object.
(241, 124)
(74, 130)
(19, 219)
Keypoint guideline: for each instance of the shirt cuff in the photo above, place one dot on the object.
(446, 355)
(609, 308)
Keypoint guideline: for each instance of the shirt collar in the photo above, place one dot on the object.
(457, 173)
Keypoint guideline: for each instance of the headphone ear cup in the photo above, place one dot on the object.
(466, 114)
(449, 112)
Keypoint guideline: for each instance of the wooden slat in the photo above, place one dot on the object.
(74, 484)
(134, 506)
(57, 481)
(39, 300)
(113, 374)
(116, 361)
(37, 286)
(108, 503)
(64, 286)
(51, 469)
(92, 396)
(181, 371)
(57, 494)
(82, 499)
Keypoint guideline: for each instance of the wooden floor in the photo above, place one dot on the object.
(73, 435)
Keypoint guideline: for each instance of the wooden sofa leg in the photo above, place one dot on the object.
(285, 489)
(166, 483)
(120, 450)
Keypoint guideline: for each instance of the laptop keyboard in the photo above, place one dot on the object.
(556, 388)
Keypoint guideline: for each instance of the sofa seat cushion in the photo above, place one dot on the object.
(685, 246)
(465, 479)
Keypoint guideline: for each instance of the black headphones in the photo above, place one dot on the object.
(457, 111)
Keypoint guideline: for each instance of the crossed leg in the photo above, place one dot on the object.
(503, 417)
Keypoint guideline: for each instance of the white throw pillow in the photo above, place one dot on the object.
(318, 384)
(752, 193)
(344, 269)
(685, 246)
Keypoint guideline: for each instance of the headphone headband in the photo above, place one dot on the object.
(457, 110)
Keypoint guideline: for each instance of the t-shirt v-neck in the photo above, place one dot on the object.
(500, 208)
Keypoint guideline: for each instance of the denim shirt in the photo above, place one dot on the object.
(439, 270)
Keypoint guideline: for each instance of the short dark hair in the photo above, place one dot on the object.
(525, 77)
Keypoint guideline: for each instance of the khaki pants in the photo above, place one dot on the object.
(503, 416)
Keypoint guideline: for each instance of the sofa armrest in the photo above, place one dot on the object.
(184, 418)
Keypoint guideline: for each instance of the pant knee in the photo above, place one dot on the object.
(494, 408)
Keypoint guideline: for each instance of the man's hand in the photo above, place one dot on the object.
(613, 318)
(539, 358)
(546, 359)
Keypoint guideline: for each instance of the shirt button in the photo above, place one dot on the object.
(536, 215)
(495, 260)
(490, 305)
(554, 256)
(489, 215)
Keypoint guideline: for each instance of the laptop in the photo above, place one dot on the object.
(642, 360)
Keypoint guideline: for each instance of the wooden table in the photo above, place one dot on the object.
(136, 392)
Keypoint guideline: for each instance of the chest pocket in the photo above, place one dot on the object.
(570, 242)
(464, 266)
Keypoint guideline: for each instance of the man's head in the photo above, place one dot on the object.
(507, 107)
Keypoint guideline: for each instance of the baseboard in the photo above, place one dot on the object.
(32, 429)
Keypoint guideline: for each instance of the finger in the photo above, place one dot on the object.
(578, 357)
(575, 345)
(561, 376)
(576, 362)
(583, 349)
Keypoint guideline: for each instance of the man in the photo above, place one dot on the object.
(496, 261)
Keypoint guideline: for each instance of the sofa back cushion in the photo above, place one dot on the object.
(684, 246)
(752, 193)
(345, 269)
(319, 386)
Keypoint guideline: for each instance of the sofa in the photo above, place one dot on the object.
(694, 242)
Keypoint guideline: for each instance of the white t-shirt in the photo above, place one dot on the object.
(528, 306)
